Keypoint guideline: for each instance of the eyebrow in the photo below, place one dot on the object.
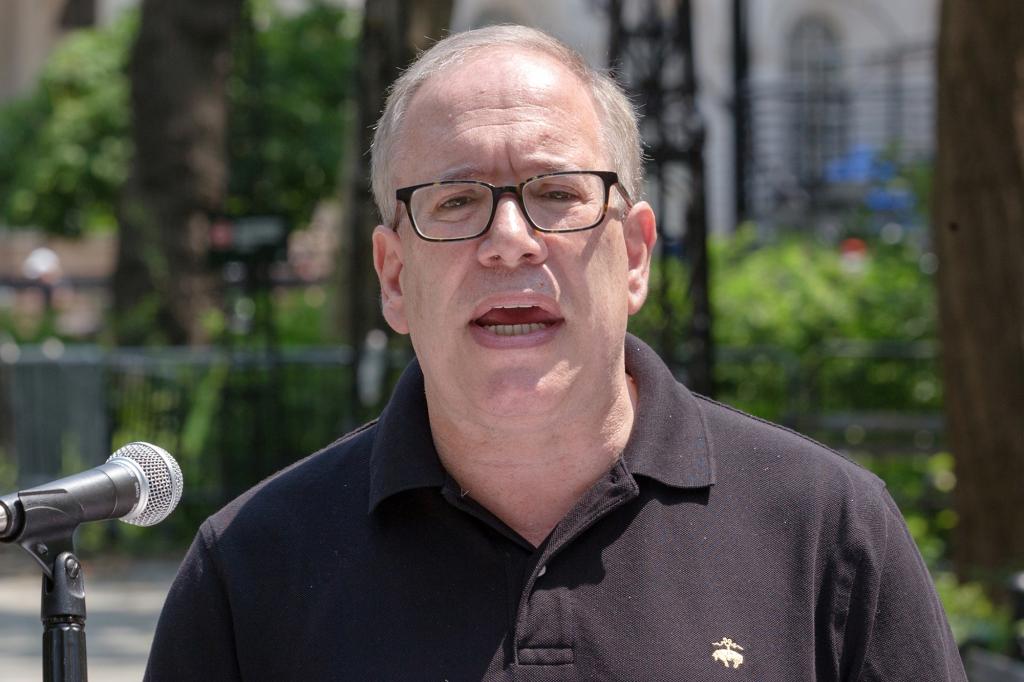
(460, 173)
(472, 172)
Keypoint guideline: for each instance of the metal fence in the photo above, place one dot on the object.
(880, 398)
(821, 148)
(233, 418)
(230, 418)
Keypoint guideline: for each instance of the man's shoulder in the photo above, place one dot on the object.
(780, 483)
(775, 463)
(737, 434)
(331, 479)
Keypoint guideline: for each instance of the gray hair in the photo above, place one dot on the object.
(619, 120)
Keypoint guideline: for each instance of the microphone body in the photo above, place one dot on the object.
(139, 484)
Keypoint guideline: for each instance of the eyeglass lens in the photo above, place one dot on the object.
(554, 202)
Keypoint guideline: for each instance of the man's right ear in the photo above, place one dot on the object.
(387, 261)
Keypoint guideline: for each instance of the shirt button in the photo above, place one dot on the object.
(542, 571)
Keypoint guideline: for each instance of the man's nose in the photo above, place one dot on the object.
(511, 240)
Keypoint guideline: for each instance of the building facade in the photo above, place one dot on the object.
(835, 91)
(838, 93)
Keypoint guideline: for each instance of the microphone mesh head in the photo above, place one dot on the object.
(163, 478)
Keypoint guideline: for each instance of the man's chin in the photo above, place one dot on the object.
(523, 391)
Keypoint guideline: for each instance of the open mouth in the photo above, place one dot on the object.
(516, 320)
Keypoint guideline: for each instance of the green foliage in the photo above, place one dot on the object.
(230, 419)
(288, 93)
(64, 149)
(797, 292)
(668, 282)
(300, 316)
(8, 470)
(973, 617)
(922, 486)
(793, 309)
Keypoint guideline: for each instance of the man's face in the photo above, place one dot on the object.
(515, 322)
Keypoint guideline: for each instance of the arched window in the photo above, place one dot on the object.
(819, 110)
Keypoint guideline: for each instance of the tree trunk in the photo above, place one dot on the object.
(393, 32)
(978, 221)
(179, 68)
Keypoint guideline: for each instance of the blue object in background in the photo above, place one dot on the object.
(861, 165)
(889, 200)
(864, 165)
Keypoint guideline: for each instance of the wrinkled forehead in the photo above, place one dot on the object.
(506, 89)
(501, 69)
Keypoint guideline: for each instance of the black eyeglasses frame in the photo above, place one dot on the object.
(610, 178)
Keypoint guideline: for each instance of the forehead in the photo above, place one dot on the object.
(498, 112)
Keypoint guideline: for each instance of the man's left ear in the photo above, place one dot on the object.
(640, 231)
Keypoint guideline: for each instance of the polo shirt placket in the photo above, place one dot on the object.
(542, 629)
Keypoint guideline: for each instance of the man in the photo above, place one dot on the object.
(540, 499)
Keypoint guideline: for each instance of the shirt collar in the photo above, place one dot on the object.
(668, 443)
(403, 455)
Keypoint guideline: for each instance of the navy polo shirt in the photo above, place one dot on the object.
(718, 547)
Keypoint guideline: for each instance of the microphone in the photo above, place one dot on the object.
(140, 484)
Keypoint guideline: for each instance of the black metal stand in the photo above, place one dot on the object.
(62, 607)
(652, 50)
(63, 615)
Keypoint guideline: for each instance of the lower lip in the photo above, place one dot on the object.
(489, 339)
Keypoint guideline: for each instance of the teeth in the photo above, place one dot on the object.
(515, 329)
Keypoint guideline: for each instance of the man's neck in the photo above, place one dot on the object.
(530, 473)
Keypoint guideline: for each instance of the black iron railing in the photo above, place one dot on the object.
(233, 418)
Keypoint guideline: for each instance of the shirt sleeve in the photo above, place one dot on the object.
(897, 627)
(194, 637)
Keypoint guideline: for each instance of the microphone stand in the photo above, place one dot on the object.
(63, 590)
(63, 616)
(43, 521)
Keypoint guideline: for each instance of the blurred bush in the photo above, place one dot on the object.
(288, 93)
(796, 290)
(66, 147)
(791, 306)
(231, 419)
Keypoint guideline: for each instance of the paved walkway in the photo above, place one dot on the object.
(123, 600)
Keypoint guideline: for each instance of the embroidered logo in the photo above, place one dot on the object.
(728, 653)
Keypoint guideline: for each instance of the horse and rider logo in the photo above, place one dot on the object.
(728, 653)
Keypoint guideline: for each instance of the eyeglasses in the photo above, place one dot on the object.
(456, 210)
